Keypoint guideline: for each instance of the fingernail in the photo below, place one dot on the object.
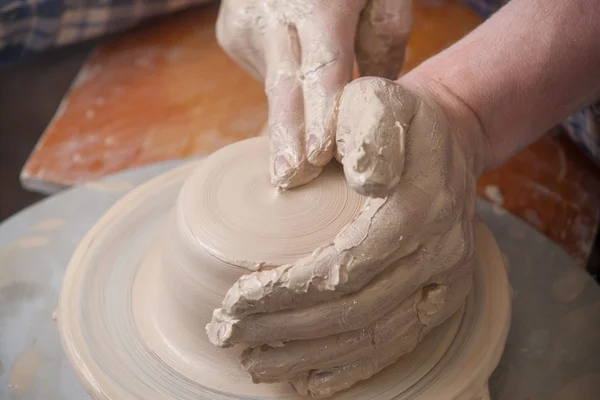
(282, 166)
(312, 147)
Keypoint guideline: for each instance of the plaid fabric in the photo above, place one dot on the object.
(30, 26)
(485, 8)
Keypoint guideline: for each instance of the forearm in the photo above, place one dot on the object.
(521, 72)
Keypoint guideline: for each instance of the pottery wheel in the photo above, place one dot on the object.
(125, 341)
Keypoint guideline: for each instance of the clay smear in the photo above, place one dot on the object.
(23, 372)
(49, 224)
(109, 186)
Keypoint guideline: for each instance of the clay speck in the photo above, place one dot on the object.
(111, 186)
(569, 286)
(24, 370)
(49, 224)
(494, 194)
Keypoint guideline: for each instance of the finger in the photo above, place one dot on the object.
(445, 295)
(432, 304)
(326, 382)
(289, 166)
(310, 280)
(382, 36)
(241, 38)
(374, 116)
(348, 313)
(327, 62)
(273, 364)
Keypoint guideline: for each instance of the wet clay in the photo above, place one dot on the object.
(49, 224)
(399, 269)
(142, 285)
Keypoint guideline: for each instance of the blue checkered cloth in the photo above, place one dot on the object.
(31, 26)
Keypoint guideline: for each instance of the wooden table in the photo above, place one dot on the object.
(166, 90)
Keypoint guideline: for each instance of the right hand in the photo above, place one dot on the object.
(401, 268)
(304, 51)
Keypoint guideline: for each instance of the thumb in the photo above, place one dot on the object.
(382, 36)
(373, 118)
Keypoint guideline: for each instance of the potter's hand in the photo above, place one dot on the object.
(402, 267)
(304, 50)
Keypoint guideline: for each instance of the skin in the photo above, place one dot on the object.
(402, 267)
(415, 147)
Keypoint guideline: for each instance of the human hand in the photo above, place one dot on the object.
(304, 51)
(401, 268)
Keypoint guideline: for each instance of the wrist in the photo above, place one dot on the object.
(465, 121)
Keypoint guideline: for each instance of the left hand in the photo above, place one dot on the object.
(304, 52)
(402, 267)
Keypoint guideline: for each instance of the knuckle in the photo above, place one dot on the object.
(233, 25)
(279, 77)
(225, 37)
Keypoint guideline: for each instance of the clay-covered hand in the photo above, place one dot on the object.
(304, 50)
(402, 267)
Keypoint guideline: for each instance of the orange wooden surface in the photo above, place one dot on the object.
(556, 188)
(166, 90)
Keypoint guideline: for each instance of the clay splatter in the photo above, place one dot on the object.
(582, 387)
(115, 186)
(544, 191)
(49, 224)
(539, 342)
(32, 241)
(533, 218)
(494, 194)
(25, 243)
(24, 370)
(569, 286)
(499, 210)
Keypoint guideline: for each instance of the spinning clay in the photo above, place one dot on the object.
(143, 284)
